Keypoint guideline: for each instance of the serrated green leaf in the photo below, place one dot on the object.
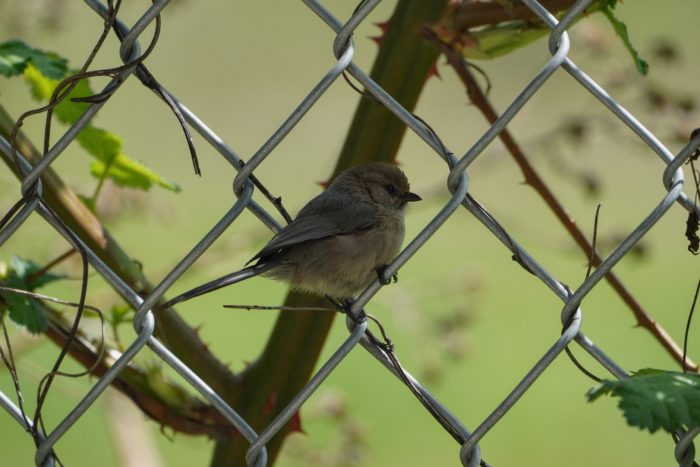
(128, 172)
(621, 30)
(655, 399)
(104, 146)
(11, 63)
(24, 310)
(16, 55)
(112, 163)
(42, 87)
(23, 268)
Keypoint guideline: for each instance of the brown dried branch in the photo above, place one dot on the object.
(467, 15)
(50, 265)
(532, 178)
(187, 414)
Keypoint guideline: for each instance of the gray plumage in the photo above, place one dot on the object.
(339, 239)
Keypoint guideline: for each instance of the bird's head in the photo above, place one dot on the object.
(378, 182)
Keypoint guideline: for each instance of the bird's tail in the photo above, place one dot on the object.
(228, 279)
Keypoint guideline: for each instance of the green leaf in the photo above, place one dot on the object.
(42, 87)
(496, 41)
(120, 313)
(24, 268)
(115, 165)
(12, 63)
(24, 310)
(654, 399)
(16, 55)
(492, 41)
(89, 202)
(104, 146)
(161, 385)
(621, 30)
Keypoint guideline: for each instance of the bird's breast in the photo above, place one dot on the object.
(342, 265)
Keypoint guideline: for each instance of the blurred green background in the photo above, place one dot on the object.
(467, 321)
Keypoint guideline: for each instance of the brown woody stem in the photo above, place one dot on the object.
(532, 178)
(401, 68)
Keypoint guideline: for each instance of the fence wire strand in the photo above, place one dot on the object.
(244, 185)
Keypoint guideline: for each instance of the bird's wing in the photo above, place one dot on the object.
(323, 216)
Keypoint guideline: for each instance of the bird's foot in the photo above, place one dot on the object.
(380, 275)
(345, 305)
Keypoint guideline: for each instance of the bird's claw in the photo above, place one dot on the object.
(382, 280)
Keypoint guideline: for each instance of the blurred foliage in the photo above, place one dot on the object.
(489, 41)
(44, 72)
(104, 146)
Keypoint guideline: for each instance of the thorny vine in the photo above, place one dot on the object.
(532, 178)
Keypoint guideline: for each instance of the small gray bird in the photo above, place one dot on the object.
(339, 241)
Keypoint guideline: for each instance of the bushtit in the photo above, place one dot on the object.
(339, 241)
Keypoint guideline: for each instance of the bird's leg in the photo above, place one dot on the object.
(380, 274)
(339, 305)
(345, 305)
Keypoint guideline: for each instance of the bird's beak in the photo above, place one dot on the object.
(409, 197)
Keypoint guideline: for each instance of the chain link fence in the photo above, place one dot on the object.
(456, 177)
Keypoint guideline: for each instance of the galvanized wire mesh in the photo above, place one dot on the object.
(457, 181)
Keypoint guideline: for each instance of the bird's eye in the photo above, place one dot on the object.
(391, 189)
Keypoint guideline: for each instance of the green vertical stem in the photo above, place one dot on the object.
(402, 67)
